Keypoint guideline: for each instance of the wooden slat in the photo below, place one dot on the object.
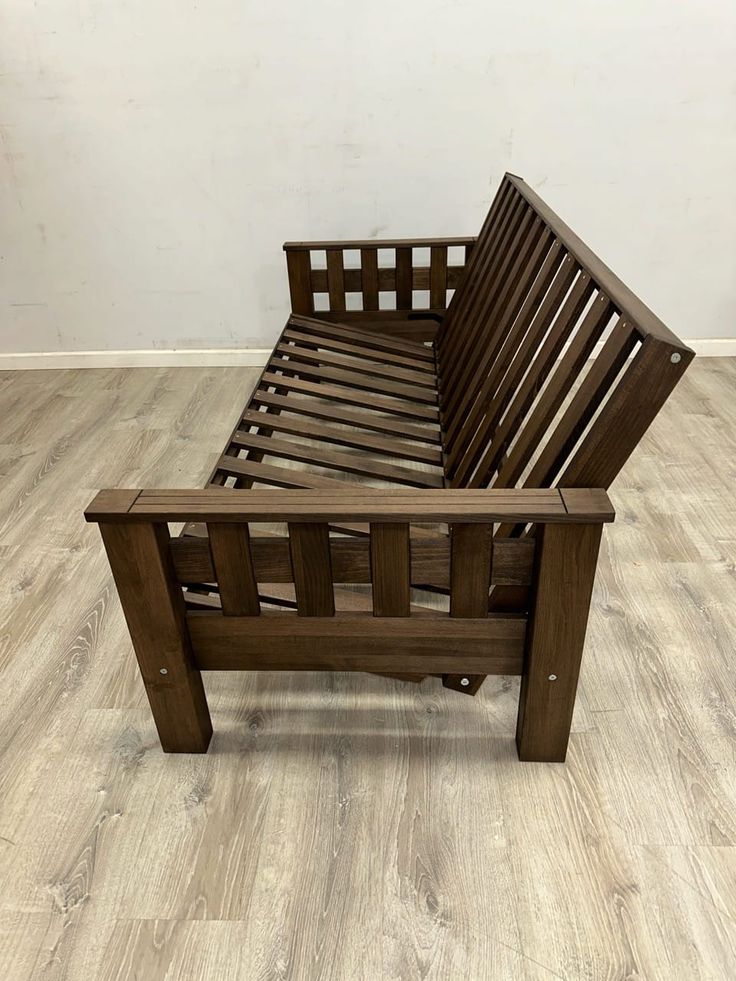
(512, 564)
(583, 405)
(263, 473)
(349, 502)
(382, 445)
(463, 471)
(479, 325)
(482, 273)
(300, 286)
(527, 388)
(390, 569)
(369, 278)
(566, 374)
(296, 351)
(352, 396)
(499, 314)
(335, 279)
(336, 460)
(438, 276)
(403, 279)
(233, 569)
(470, 570)
(356, 642)
(310, 559)
(448, 336)
(360, 420)
(358, 351)
(353, 379)
(374, 341)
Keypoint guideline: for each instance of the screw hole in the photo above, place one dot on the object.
(553, 677)
(163, 671)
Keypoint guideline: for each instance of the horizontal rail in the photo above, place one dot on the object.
(557, 506)
(628, 303)
(355, 642)
(376, 243)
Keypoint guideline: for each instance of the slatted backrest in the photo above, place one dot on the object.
(521, 403)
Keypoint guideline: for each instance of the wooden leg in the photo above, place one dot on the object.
(565, 570)
(154, 610)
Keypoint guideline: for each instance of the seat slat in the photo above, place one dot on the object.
(352, 379)
(269, 422)
(294, 350)
(350, 396)
(336, 460)
(334, 413)
(358, 351)
(376, 341)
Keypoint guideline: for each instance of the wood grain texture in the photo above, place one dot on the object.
(343, 825)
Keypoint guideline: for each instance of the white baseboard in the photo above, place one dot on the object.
(253, 357)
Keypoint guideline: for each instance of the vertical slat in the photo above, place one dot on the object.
(369, 278)
(565, 571)
(390, 569)
(312, 568)
(470, 569)
(299, 268)
(231, 557)
(336, 279)
(153, 605)
(438, 277)
(403, 279)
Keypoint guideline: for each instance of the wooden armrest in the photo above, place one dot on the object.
(224, 504)
(377, 243)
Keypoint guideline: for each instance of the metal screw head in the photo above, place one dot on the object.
(675, 358)
(553, 677)
(465, 682)
(163, 671)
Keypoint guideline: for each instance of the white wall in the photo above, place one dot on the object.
(156, 154)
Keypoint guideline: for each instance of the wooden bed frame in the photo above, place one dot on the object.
(462, 448)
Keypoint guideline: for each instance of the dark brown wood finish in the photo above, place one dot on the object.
(154, 611)
(563, 586)
(503, 406)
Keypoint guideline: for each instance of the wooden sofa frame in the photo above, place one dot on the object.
(483, 439)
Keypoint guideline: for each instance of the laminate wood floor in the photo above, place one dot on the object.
(347, 826)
